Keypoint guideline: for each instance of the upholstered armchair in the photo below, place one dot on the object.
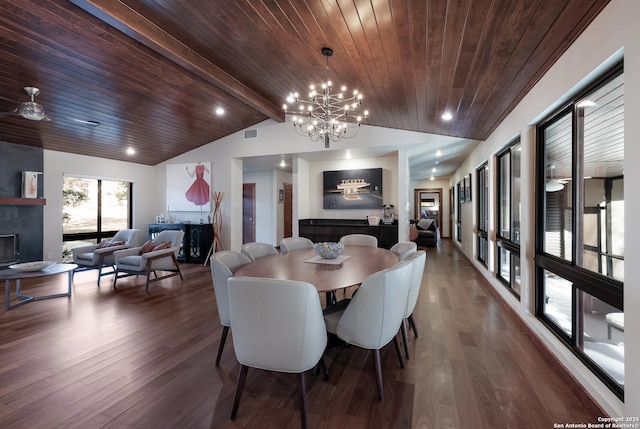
(157, 255)
(98, 256)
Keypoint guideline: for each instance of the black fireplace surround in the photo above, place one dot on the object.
(25, 221)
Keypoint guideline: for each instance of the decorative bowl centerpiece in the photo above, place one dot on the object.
(32, 266)
(329, 250)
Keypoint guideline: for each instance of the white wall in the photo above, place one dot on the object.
(389, 165)
(56, 164)
(595, 50)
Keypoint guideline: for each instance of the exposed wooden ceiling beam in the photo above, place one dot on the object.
(130, 22)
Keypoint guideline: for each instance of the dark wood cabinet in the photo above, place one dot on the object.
(197, 241)
(318, 230)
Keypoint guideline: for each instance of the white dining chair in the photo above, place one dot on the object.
(417, 261)
(359, 240)
(404, 249)
(223, 265)
(372, 317)
(257, 250)
(293, 243)
(277, 326)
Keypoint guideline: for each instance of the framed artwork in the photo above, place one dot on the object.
(352, 189)
(461, 189)
(30, 184)
(467, 188)
(188, 187)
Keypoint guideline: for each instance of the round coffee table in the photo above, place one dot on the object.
(10, 275)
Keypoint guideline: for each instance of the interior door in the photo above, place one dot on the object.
(288, 210)
(248, 212)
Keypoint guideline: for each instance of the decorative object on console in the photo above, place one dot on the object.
(373, 220)
(217, 219)
(329, 250)
(325, 115)
(388, 214)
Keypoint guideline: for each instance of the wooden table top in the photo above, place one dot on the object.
(362, 262)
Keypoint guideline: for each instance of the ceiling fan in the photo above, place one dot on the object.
(29, 109)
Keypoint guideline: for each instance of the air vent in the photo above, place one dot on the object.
(250, 134)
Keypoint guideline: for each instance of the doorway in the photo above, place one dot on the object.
(288, 210)
(248, 213)
(427, 203)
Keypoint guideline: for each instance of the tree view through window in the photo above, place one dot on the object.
(93, 210)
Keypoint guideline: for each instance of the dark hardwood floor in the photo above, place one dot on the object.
(128, 359)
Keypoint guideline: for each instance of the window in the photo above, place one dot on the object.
(482, 207)
(459, 193)
(580, 226)
(93, 210)
(508, 217)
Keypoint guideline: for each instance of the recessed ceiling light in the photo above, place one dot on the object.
(130, 151)
(447, 116)
(219, 111)
(283, 164)
(433, 170)
(437, 162)
(432, 178)
(438, 152)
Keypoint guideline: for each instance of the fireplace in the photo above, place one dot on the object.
(8, 250)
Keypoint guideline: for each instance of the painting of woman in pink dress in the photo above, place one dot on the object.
(198, 193)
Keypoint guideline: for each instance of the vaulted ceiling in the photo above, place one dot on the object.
(148, 74)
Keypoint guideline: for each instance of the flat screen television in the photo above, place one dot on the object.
(352, 189)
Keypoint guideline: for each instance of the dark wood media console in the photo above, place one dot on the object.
(318, 230)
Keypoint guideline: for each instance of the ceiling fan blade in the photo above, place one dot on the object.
(12, 113)
(9, 100)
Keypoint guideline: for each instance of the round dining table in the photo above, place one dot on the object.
(351, 268)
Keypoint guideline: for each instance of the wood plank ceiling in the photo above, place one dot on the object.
(151, 73)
